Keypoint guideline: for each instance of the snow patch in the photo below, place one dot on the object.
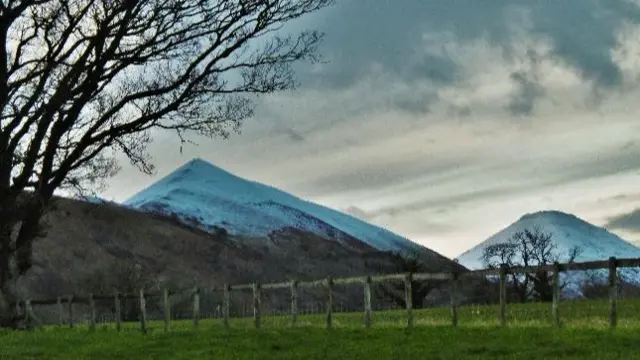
(216, 197)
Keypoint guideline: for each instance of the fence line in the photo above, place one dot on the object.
(328, 283)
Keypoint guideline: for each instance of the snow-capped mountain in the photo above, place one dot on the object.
(209, 196)
(568, 231)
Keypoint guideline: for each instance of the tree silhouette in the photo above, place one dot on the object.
(529, 247)
(395, 291)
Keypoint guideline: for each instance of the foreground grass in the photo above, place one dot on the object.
(529, 335)
(435, 342)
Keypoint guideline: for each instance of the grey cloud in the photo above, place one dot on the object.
(357, 212)
(413, 103)
(628, 145)
(360, 33)
(459, 111)
(529, 90)
(523, 101)
(457, 200)
(408, 222)
(384, 175)
(293, 135)
(370, 176)
(593, 168)
(453, 200)
(629, 221)
(621, 198)
(623, 160)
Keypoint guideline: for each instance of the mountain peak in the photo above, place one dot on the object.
(200, 166)
(549, 214)
(212, 196)
(199, 162)
(200, 171)
(567, 231)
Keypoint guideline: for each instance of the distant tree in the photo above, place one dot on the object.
(125, 277)
(395, 291)
(596, 286)
(83, 80)
(530, 247)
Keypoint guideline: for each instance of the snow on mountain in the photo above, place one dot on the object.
(201, 192)
(568, 231)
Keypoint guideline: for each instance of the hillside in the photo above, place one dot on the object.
(84, 238)
(568, 231)
(207, 196)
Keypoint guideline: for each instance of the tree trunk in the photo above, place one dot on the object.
(19, 226)
(8, 313)
(542, 286)
(10, 317)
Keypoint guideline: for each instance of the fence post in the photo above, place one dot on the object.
(294, 303)
(70, 310)
(329, 302)
(166, 309)
(367, 302)
(503, 295)
(60, 310)
(143, 313)
(226, 300)
(454, 298)
(256, 305)
(28, 312)
(613, 292)
(118, 308)
(408, 292)
(196, 307)
(555, 306)
(17, 307)
(92, 315)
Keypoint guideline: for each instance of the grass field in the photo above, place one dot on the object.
(528, 336)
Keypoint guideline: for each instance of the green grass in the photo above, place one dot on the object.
(529, 335)
(436, 342)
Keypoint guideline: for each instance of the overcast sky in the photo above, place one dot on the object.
(445, 121)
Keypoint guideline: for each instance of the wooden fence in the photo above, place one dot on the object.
(328, 283)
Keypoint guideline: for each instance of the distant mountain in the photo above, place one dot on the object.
(567, 231)
(205, 195)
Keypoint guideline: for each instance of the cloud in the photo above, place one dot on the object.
(581, 32)
(357, 212)
(629, 221)
(294, 135)
(619, 198)
(523, 100)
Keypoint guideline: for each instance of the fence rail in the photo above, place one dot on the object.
(141, 297)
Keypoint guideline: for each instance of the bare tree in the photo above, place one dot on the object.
(125, 277)
(83, 81)
(595, 284)
(406, 263)
(530, 247)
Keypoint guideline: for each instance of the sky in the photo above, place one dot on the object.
(445, 121)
